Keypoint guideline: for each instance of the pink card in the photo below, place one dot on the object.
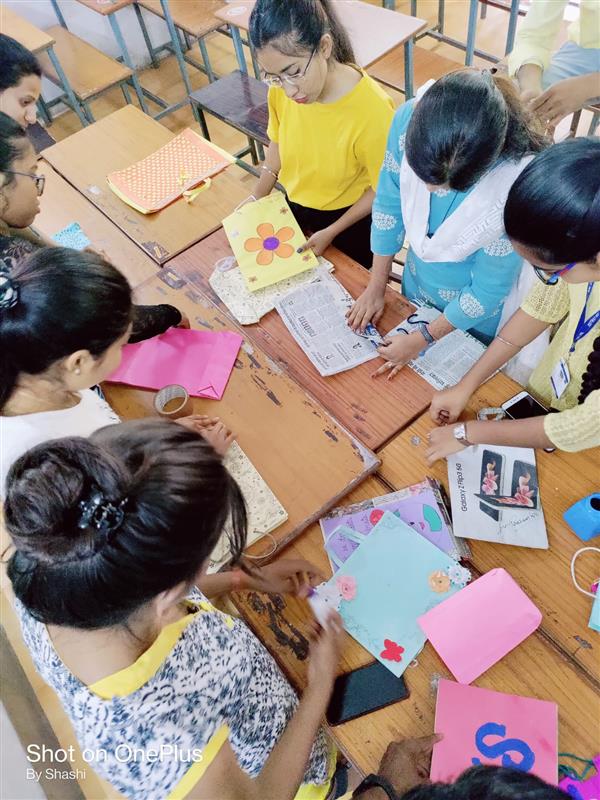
(469, 633)
(485, 727)
(588, 789)
(199, 360)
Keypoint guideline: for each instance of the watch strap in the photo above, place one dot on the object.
(373, 781)
(462, 439)
(424, 330)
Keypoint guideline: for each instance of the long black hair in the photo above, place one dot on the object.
(53, 303)
(13, 144)
(590, 381)
(553, 208)
(489, 783)
(16, 62)
(463, 124)
(294, 26)
(160, 497)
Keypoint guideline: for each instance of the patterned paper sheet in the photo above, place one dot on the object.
(72, 236)
(162, 177)
(249, 307)
(265, 512)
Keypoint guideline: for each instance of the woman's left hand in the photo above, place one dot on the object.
(398, 351)
(318, 242)
(442, 443)
(287, 576)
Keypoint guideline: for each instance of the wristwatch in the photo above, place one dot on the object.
(460, 434)
(376, 781)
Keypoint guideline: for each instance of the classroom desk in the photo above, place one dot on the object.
(373, 31)
(85, 158)
(373, 410)
(308, 460)
(544, 574)
(62, 205)
(534, 669)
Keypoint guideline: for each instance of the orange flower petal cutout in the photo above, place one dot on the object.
(265, 229)
(264, 258)
(253, 244)
(283, 234)
(284, 250)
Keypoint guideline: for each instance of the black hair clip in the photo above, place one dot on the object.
(9, 291)
(99, 513)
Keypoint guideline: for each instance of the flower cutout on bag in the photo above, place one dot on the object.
(392, 651)
(269, 243)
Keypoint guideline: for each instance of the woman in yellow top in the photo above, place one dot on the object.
(552, 217)
(328, 123)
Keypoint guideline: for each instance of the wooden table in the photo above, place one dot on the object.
(373, 31)
(62, 205)
(373, 410)
(534, 669)
(128, 135)
(307, 459)
(544, 574)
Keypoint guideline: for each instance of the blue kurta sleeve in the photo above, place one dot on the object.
(495, 269)
(387, 228)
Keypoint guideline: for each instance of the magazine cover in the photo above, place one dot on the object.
(495, 496)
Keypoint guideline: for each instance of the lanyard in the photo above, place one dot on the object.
(584, 326)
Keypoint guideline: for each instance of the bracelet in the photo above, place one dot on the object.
(504, 341)
(376, 781)
(426, 333)
(270, 171)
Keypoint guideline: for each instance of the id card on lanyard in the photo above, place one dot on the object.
(561, 376)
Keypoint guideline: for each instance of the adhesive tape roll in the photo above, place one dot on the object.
(173, 402)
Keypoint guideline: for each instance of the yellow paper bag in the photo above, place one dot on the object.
(265, 237)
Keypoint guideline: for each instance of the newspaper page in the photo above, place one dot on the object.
(315, 315)
(447, 361)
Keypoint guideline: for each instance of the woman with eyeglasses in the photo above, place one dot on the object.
(328, 123)
(21, 186)
(552, 216)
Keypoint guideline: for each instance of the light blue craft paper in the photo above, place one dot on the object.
(392, 570)
(72, 236)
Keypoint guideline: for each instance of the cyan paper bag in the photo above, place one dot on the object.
(393, 578)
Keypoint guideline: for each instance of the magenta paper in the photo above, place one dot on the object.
(588, 789)
(201, 361)
(484, 727)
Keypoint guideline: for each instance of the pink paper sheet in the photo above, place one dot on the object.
(485, 727)
(588, 789)
(201, 361)
(475, 628)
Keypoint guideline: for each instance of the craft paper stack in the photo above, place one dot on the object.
(484, 727)
(394, 577)
(162, 177)
(200, 361)
(265, 238)
(249, 307)
(265, 512)
(420, 506)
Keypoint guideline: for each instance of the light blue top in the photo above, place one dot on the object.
(471, 293)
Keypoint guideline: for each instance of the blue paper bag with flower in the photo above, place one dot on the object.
(389, 581)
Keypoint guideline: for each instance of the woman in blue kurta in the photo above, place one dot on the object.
(451, 158)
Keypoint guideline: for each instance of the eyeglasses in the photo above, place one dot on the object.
(551, 278)
(39, 180)
(293, 80)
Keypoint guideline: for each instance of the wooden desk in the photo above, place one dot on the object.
(534, 669)
(544, 574)
(373, 30)
(373, 410)
(24, 32)
(128, 135)
(62, 205)
(307, 459)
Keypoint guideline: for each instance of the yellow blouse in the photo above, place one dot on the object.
(578, 426)
(331, 153)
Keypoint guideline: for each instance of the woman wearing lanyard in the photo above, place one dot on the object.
(552, 216)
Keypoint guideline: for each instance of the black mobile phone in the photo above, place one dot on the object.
(490, 480)
(503, 502)
(523, 406)
(524, 479)
(362, 691)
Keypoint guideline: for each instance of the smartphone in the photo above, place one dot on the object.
(362, 691)
(503, 502)
(525, 477)
(522, 406)
(490, 480)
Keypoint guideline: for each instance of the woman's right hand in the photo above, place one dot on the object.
(325, 653)
(368, 308)
(447, 405)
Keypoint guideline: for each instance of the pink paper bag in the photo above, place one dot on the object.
(201, 361)
(479, 625)
(485, 727)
